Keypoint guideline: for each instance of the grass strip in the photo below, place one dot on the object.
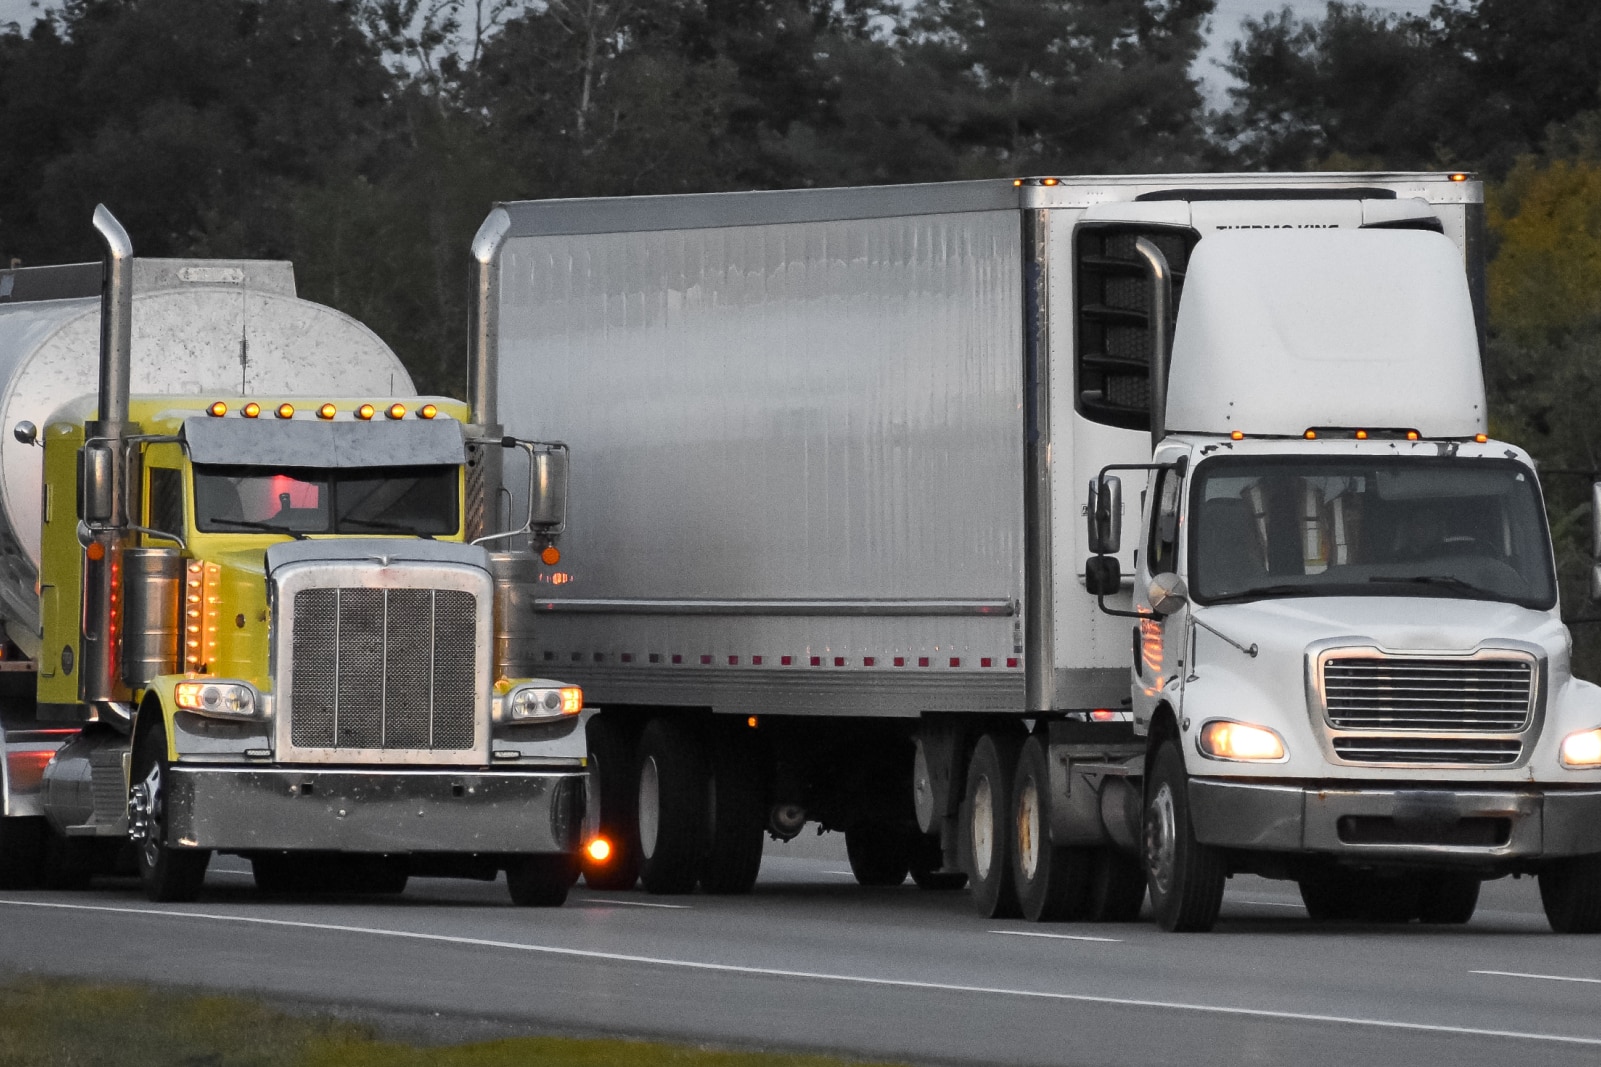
(61, 1023)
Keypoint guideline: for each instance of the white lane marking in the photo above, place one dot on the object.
(582, 901)
(1058, 937)
(853, 979)
(1546, 977)
(1272, 904)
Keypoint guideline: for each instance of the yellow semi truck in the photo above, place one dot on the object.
(266, 617)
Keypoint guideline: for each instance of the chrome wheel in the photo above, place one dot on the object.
(1028, 830)
(1161, 839)
(144, 816)
(649, 806)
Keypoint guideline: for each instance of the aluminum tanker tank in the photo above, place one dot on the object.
(199, 326)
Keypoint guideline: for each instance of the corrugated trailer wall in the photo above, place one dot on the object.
(814, 424)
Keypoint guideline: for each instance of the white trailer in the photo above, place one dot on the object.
(825, 552)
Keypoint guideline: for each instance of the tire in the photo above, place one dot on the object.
(737, 818)
(282, 873)
(674, 786)
(1185, 877)
(1448, 898)
(539, 881)
(880, 856)
(22, 843)
(170, 875)
(1570, 890)
(1053, 882)
(987, 825)
(379, 874)
(614, 777)
(68, 861)
(1117, 887)
(928, 866)
(1331, 896)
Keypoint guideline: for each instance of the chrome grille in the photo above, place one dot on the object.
(1481, 751)
(383, 669)
(1477, 695)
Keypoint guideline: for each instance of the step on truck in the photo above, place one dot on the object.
(847, 542)
(249, 601)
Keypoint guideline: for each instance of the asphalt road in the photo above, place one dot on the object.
(812, 961)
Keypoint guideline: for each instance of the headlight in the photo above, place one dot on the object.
(232, 700)
(1221, 739)
(1582, 750)
(537, 704)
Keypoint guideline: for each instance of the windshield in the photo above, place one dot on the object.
(1386, 526)
(304, 500)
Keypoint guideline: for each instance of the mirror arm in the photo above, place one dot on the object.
(1100, 601)
(1249, 651)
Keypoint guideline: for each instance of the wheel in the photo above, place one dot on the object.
(68, 861)
(378, 874)
(737, 815)
(539, 881)
(927, 864)
(1185, 877)
(1344, 895)
(282, 873)
(1570, 890)
(1331, 896)
(1448, 897)
(22, 842)
(1117, 887)
(169, 874)
(879, 855)
(987, 817)
(614, 783)
(674, 784)
(1052, 881)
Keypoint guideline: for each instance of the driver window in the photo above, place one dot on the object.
(1164, 547)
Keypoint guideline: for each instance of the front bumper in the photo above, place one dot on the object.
(1397, 824)
(239, 809)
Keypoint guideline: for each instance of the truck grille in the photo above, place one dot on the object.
(1429, 750)
(383, 669)
(1414, 693)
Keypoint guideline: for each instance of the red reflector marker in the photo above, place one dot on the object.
(922, 661)
(677, 658)
(817, 661)
(1011, 661)
(785, 661)
(733, 661)
(868, 661)
(985, 662)
(628, 657)
(839, 661)
(756, 660)
(955, 662)
(900, 661)
(705, 660)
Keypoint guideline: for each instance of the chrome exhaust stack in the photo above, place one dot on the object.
(485, 433)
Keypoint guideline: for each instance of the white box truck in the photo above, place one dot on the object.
(827, 556)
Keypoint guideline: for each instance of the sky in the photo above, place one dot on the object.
(1225, 26)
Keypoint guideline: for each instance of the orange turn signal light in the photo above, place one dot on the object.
(1311, 435)
(1411, 435)
(365, 412)
(251, 410)
(550, 555)
(1361, 435)
(286, 411)
(598, 850)
(327, 411)
(1051, 181)
(396, 411)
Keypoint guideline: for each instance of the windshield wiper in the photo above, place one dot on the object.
(247, 524)
(1265, 592)
(1447, 580)
(387, 527)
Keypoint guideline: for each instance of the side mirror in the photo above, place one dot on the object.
(1105, 515)
(25, 432)
(1102, 575)
(96, 485)
(547, 489)
(1168, 593)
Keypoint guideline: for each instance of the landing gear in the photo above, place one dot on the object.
(1185, 877)
(169, 874)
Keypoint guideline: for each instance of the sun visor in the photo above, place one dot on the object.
(288, 443)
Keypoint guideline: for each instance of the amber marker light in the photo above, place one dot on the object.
(1311, 435)
(1016, 182)
(1361, 435)
(286, 411)
(365, 412)
(1411, 435)
(251, 410)
(753, 722)
(572, 700)
(598, 850)
(396, 411)
(1481, 438)
(1459, 177)
(427, 411)
(1051, 181)
(550, 555)
(217, 410)
(1237, 435)
(327, 411)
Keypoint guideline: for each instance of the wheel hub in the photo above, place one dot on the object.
(1028, 829)
(649, 806)
(1161, 838)
(983, 828)
(144, 815)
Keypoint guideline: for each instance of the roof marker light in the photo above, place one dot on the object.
(1311, 435)
(286, 411)
(1361, 435)
(1481, 438)
(1237, 435)
(217, 410)
(327, 411)
(1050, 181)
(427, 411)
(396, 411)
(251, 410)
(365, 412)
(1459, 177)
(1411, 435)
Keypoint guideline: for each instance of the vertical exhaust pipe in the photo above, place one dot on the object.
(1161, 319)
(102, 475)
(484, 435)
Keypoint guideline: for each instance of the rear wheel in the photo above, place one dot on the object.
(539, 881)
(879, 855)
(1570, 890)
(987, 817)
(614, 779)
(169, 874)
(1185, 877)
(674, 785)
(1052, 882)
(738, 813)
(22, 842)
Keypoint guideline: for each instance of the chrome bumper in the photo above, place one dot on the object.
(1397, 824)
(238, 809)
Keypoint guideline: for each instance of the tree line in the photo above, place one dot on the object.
(365, 139)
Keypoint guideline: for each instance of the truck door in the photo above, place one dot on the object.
(1157, 644)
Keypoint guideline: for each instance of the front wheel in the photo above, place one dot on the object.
(22, 845)
(1185, 877)
(169, 874)
(1570, 890)
(539, 881)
